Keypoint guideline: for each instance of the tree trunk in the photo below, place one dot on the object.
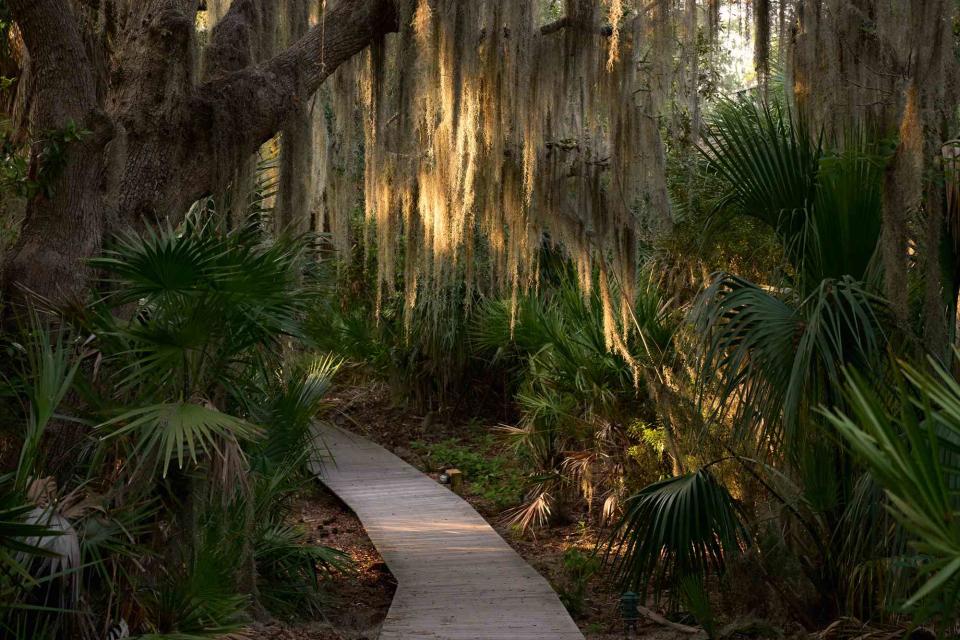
(158, 140)
(65, 225)
(914, 177)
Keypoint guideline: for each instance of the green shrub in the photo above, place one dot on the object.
(492, 477)
(575, 397)
(177, 506)
(579, 568)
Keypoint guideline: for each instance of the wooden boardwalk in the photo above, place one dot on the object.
(457, 578)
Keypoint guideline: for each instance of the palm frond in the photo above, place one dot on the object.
(767, 161)
(912, 453)
(176, 431)
(197, 599)
(675, 528)
(291, 569)
(50, 367)
(872, 549)
(843, 231)
(114, 533)
(292, 406)
(779, 360)
(206, 301)
(825, 206)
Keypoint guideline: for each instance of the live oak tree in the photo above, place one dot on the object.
(159, 132)
(472, 112)
(482, 125)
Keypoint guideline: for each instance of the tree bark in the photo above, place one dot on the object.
(296, 155)
(158, 140)
(901, 196)
(913, 182)
(66, 225)
(936, 88)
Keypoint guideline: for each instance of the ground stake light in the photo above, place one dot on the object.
(628, 610)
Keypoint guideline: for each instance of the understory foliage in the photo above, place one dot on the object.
(578, 401)
(768, 358)
(678, 528)
(909, 441)
(718, 394)
(166, 434)
(716, 329)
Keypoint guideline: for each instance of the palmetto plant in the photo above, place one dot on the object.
(778, 349)
(206, 337)
(49, 365)
(679, 528)
(771, 354)
(39, 546)
(196, 598)
(913, 452)
(208, 354)
(291, 569)
(293, 399)
(202, 412)
(778, 356)
(576, 398)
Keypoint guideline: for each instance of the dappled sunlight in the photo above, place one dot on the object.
(596, 318)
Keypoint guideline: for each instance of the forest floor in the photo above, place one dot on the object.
(492, 484)
(357, 601)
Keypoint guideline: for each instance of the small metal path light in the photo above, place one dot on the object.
(628, 610)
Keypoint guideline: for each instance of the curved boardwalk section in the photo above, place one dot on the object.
(457, 578)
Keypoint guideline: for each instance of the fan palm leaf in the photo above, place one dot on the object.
(290, 569)
(177, 431)
(779, 359)
(207, 302)
(678, 527)
(824, 205)
(50, 367)
(198, 599)
(291, 408)
(767, 161)
(843, 227)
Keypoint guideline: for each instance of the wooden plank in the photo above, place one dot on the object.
(457, 578)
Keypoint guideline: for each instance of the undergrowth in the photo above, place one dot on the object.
(488, 474)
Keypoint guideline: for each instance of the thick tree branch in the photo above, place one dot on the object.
(556, 25)
(245, 108)
(231, 45)
(566, 22)
(195, 148)
(160, 31)
(345, 31)
(52, 37)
